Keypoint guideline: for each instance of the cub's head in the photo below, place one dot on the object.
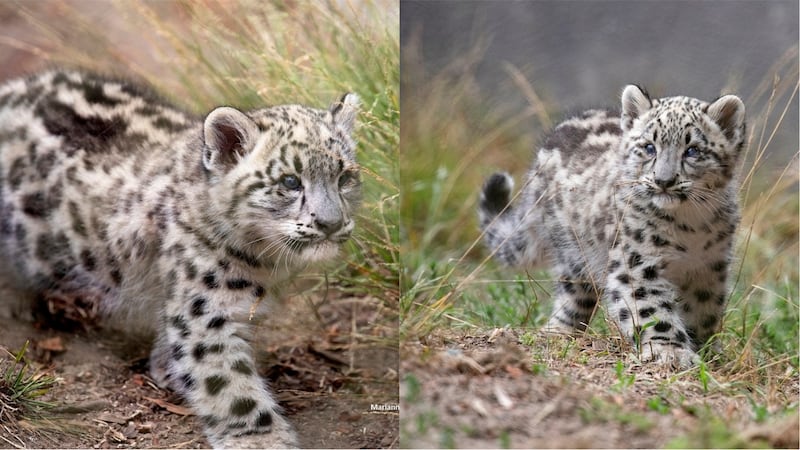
(680, 149)
(284, 180)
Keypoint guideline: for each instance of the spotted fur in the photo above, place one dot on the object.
(113, 201)
(638, 208)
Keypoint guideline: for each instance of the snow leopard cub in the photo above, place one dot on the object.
(113, 200)
(639, 208)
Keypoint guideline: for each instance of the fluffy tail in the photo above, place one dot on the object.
(506, 232)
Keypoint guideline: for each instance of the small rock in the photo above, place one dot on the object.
(130, 431)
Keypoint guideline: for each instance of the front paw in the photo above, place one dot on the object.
(678, 358)
(279, 435)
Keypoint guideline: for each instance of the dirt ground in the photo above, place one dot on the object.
(487, 390)
(327, 363)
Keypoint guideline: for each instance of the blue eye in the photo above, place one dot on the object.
(691, 152)
(290, 182)
(650, 149)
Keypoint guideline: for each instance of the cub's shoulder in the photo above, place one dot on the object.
(590, 132)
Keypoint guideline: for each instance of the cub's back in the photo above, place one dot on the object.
(86, 113)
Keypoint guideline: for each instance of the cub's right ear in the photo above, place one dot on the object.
(728, 112)
(228, 134)
(635, 102)
(344, 111)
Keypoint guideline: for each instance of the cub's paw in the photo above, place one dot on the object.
(279, 435)
(678, 358)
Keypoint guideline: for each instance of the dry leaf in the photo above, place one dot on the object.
(52, 344)
(110, 418)
(514, 371)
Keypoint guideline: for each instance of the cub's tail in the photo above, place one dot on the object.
(507, 231)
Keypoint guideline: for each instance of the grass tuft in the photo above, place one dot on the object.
(21, 389)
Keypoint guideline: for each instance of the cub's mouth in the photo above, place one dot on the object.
(303, 244)
(664, 196)
(666, 200)
(299, 245)
(317, 250)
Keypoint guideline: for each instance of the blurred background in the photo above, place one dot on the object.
(581, 53)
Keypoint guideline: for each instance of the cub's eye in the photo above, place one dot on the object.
(346, 178)
(650, 149)
(691, 152)
(291, 182)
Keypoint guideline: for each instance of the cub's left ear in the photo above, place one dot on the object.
(728, 113)
(344, 111)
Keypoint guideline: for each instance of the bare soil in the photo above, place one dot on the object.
(327, 361)
(484, 389)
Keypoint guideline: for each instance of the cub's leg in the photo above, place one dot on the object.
(575, 302)
(646, 307)
(204, 353)
(704, 296)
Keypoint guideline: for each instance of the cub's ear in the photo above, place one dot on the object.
(728, 113)
(635, 102)
(228, 135)
(344, 111)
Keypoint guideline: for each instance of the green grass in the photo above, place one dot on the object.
(21, 388)
(624, 380)
(20, 385)
(658, 404)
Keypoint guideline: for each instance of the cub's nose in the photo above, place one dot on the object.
(329, 225)
(665, 184)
